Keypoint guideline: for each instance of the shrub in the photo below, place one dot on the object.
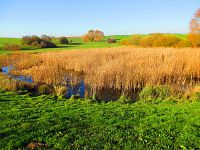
(124, 42)
(184, 43)
(111, 40)
(14, 85)
(146, 42)
(7, 83)
(11, 84)
(160, 40)
(154, 92)
(63, 40)
(43, 42)
(28, 40)
(124, 100)
(60, 91)
(166, 41)
(46, 38)
(152, 40)
(25, 86)
(135, 39)
(43, 89)
(46, 44)
(193, 94)
(12, 47)
(194, 39)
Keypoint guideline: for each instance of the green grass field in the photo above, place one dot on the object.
(77, 43)
(82, 124)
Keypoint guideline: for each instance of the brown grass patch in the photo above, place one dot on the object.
(122, 68)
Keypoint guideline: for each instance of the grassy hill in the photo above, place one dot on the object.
(77, 43)
(48, 122)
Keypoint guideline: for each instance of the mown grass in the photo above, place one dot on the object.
(82, 124)
(76, 43)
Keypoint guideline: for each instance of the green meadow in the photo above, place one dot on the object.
(77, 43)
(84, 124)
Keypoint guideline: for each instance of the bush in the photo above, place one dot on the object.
(28, 40)
(194, 39)
(193, 94)
(124, 42)
(135, 39)
(46, 38)
(43, 89)
(184, 43)
(154, 92)
(153, 40)
(7, 83)
(25, 86)
(160, 40)
(46, 44)
(166, 41)
(35, 41)
(111, 40)
(12, 47)
(124, 100)
(146, 41)
(60, 91)
(63, 40)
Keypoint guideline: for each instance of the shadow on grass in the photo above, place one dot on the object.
(76, 43)
(7, 133)
(27, 48)
(70, 45)
(5, 100)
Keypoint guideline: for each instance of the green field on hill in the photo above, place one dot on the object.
(83, 124)
(76, 43)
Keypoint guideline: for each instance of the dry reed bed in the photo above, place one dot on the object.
(122, 68)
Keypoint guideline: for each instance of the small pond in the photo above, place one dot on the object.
(78, 89)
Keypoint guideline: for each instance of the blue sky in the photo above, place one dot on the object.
(76, 17)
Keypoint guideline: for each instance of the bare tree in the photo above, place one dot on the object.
(194, 35)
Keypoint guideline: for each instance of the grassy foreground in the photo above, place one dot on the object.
(82, 124)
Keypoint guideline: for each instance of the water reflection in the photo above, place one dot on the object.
(7, 71)
(77, 89)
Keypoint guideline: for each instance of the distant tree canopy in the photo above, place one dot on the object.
(40, 42)
(63, 40)
(46, 38)
(93, 36)
(194, 35)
